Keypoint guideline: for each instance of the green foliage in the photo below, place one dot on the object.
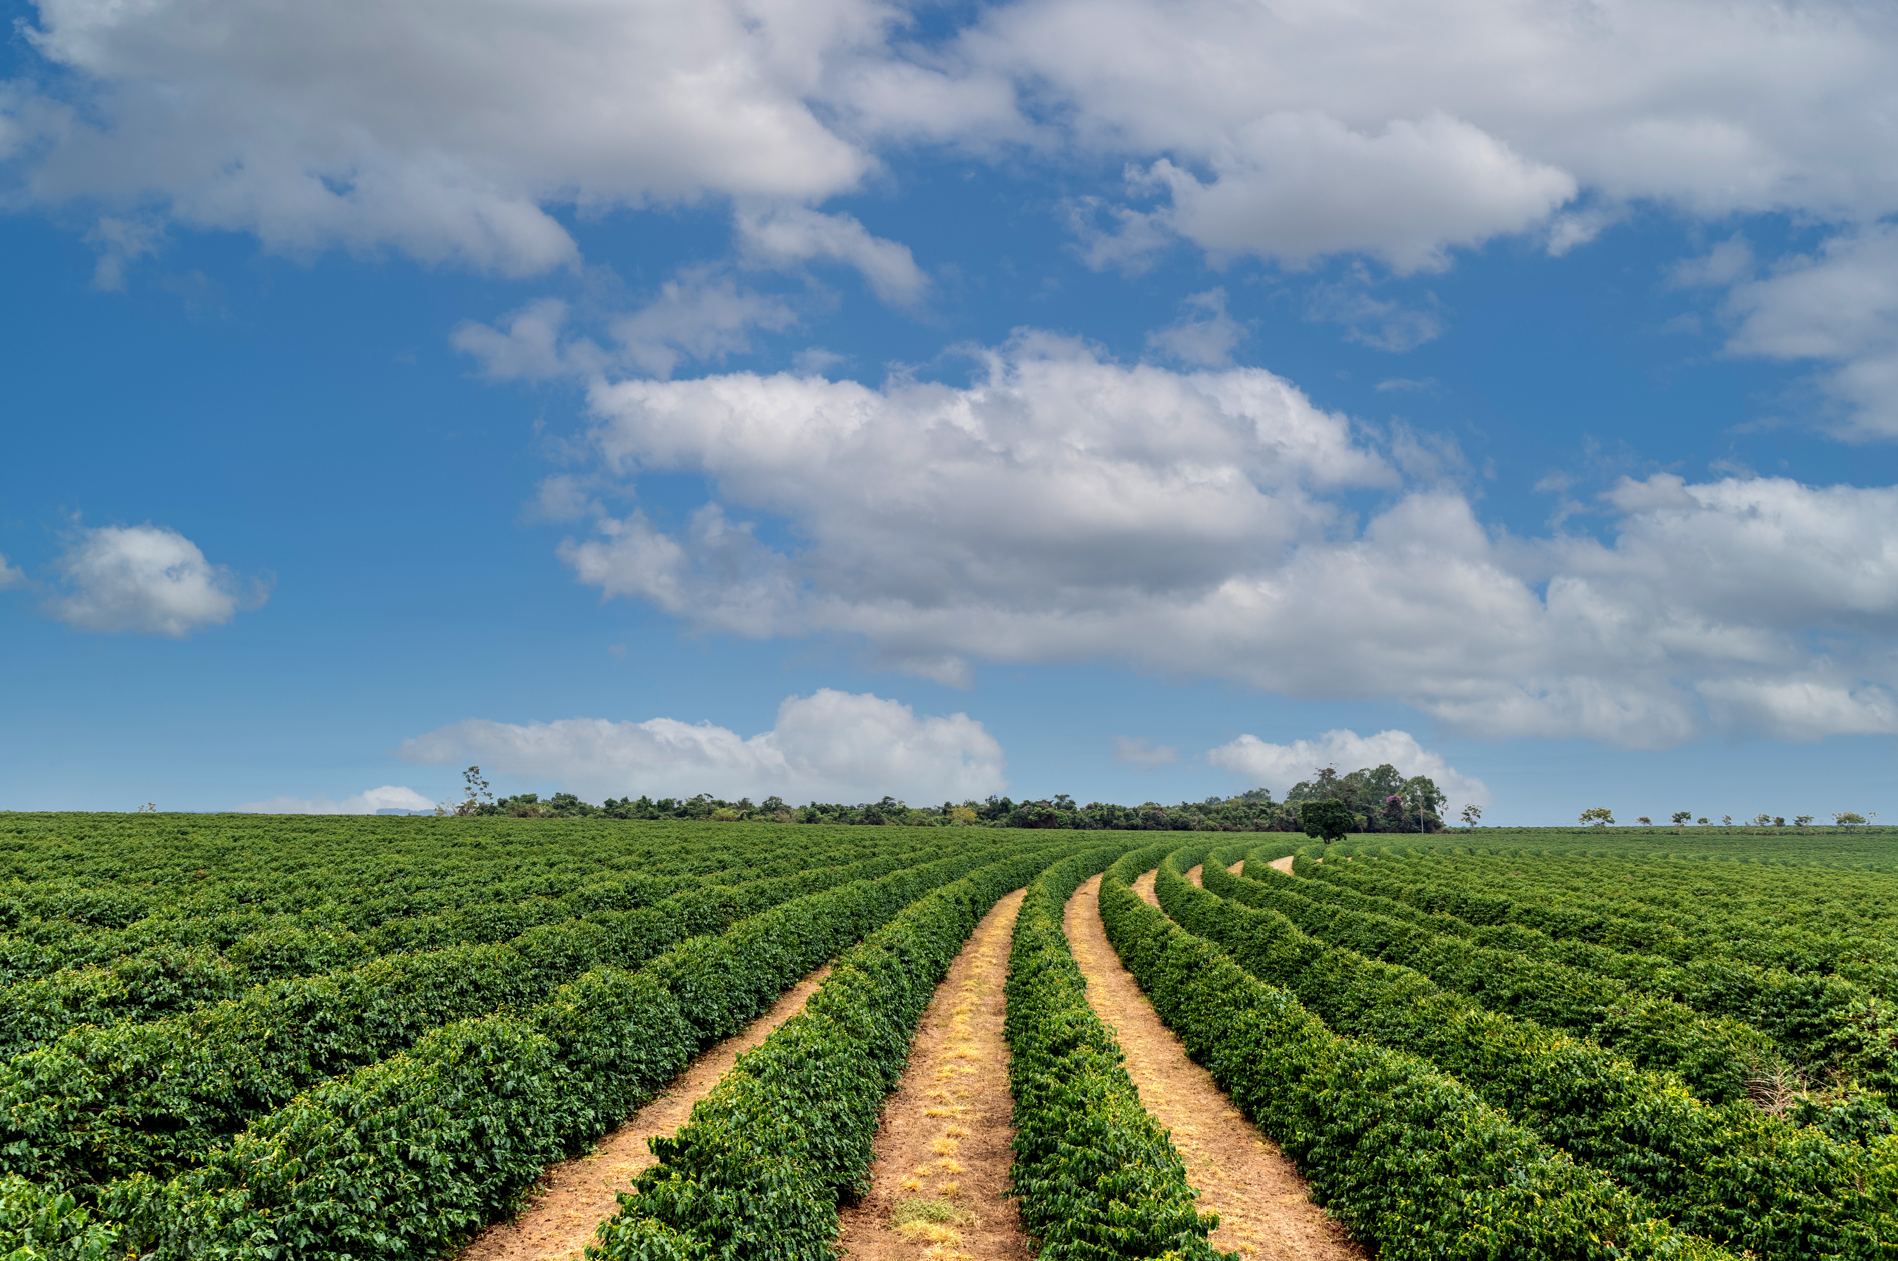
(407, 1157)
(103, 1103)
(1826, 1023)
(1714, 1055)
(758, 1169)
(1413, 1162)
(1843, 923)
(41, 1225)
(1730, 1172)
(1326, 820)
(1095, 1175)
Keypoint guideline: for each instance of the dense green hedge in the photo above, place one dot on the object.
(1714, 1055)
(1860, 949)
(759, 1168)
(1411, 1160)
(408, 1157)
(1820, 1021)
(103, 1103)
(1729, 1172)
(1096, 1177)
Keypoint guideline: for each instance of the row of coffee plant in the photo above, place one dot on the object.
(106, 1102)
(407, 1156)
(1862, 948)
(1728, 1171)
(1414, 1161)
(1822, 1021)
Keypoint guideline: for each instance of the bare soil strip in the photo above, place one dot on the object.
(1239, 1173)
(939, 1178)
(571, 1200)
(1282, 864)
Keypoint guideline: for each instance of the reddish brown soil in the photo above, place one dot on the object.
(946, 1130)
(1239, 1173)
(572, 1199)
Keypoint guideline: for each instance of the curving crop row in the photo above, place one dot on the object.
(1095, 1175)
(407, 1157)
(759, 1169)
(1714, 1055)
(1816, 1020)
(1868, 958)
(161, 981)
(350, 871)
(105, 1103)
(1410, 1159)
(1665, 889)
(253, 931)
(1730, 1172)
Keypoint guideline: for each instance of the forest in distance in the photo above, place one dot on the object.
(1377, 799)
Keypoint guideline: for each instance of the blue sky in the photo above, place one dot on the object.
(1136, 400)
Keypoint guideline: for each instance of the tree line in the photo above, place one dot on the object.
(1371, 799)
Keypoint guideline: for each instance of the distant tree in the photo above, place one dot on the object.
(1847, 819)
(1762, 820)
(1471, 814)
(1643, 820)
(474, 796)
(1598, 816)
(1702, 822)
(1422, 792)
(1325, 820)
(1681, 819)
(1801, 820)
(961, 816)
(1727, 819)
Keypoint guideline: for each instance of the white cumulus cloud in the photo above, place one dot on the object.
(456, 131)
(1402, 132)
(387, 797)
(1065, 507)
(784, 236)
(1279, 766)
(1839, 306)
(145, 579)
(443, 129)
(829, 746)
(10, 575)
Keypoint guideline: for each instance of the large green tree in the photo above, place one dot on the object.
(1326, 820)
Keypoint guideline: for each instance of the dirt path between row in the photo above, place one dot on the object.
(1281, 864)
(1263, 1207)
(939, 1177)
(571, 1200)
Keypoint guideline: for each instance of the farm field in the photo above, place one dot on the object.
(260, 1037)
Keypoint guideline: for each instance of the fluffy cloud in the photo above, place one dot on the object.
(1838, 305)
(10, 575)
(1279, 766)
(1048, 490)
(1065, 507)
(830, 746)
(700, 314)
(1290, 130)
(147, 579)
(387, 797)
(443, 129)
(1297, 130)
(1299, 185)
(786, 236)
